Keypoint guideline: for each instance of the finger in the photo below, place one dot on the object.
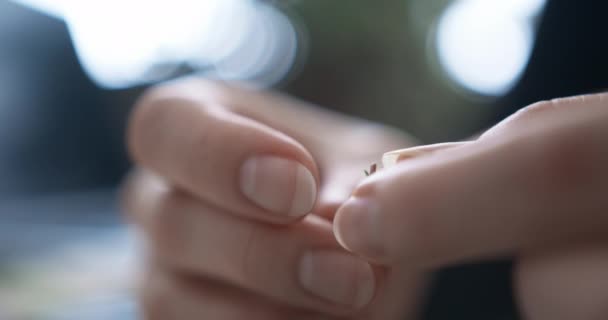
(521, 187)
(224, 158)
(296, 265)
(167, 296)
(281, 112)
(564, 284)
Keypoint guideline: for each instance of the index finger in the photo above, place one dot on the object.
(226, 159)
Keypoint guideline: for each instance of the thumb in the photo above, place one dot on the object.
(390, 159)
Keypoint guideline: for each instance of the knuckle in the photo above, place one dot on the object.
(202, 148)
(166, 227)
(174, 129)
(538, 107)
(556, 104)
(540, 112)
(138, 193)
(563, 160)
(146, 124)
(250, 267)
(530, 112)
(266, 262)
(164, 107)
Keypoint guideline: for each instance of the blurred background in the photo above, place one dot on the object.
(71, 70)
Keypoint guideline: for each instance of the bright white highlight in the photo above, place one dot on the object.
(124, 43)
(485, 45)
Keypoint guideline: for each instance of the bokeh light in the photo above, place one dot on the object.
(127, 43)
(485, 45)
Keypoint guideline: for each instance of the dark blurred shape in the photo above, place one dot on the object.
(569, 57)
(370, 60)
(56, 132)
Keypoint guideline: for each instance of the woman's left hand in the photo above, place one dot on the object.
(533, 187)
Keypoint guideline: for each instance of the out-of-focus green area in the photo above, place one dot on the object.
(375, 59)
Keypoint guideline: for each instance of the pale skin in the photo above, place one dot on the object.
(235, 238)
(217, 253)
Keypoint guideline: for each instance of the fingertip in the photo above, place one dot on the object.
(339, 230)
(357, 228)
(305, 193)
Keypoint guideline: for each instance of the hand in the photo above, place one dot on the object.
(227, 179)
(533, 187)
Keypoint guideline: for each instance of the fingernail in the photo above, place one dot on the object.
(391, 158)
(338, 277)
(356, 229)
(278, 185)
